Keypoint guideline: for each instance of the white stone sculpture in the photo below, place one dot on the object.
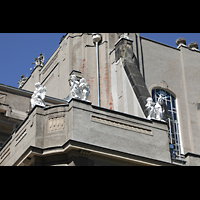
(160, 108)
(156, 110)
(79, 89)
(22, 81)
(36, 62)
(38, 96)
(150, 108)
(39, 61)
(74, 86)
(84, 88)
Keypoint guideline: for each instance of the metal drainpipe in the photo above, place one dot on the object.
(96, 39)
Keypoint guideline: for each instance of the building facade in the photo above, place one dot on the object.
(141, 106)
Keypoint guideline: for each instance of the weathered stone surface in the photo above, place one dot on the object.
(99, 130)
(124, 51)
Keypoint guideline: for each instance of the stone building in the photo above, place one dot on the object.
(143, 106)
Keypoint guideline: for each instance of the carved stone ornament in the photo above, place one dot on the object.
(39, 61)
(22, 81)
(156, 110)
(38, 96)
(150, 107)
(79, 89)
(123, 35)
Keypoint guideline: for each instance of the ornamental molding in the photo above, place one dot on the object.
(119, 124)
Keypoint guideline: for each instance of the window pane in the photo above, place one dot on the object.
(175, 117)
(153, 95)
(168, 105)
(173, 103)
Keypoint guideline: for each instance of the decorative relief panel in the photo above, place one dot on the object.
(120, 124)
(56, 124)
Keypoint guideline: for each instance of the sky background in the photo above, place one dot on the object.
(18, 50)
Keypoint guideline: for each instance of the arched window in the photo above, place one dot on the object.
(172, 119)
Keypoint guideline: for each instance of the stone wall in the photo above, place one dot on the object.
(50, 129)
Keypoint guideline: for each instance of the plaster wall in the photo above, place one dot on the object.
(124, 98)
(177, 71)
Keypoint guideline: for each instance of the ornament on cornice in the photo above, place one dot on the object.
(123, 35)
(39, 61)
(156, 110)
(38, 96)
(79, 89)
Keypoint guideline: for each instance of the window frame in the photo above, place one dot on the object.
(172, 120)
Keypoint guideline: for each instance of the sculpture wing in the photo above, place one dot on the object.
(43, 92)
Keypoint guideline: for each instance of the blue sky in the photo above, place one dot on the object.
(18, 50)
(170, 38)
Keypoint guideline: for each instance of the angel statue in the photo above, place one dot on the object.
(36, 62)
(38, 96)
(161, 108)
(21, 81)
(84, 88)
(79, 89)
(39, 61)
(150, 108)
(74, 86)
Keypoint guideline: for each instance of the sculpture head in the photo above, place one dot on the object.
(149, 100)
(73, 78)
(161, 99)
(37, 85)
(83, 80)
